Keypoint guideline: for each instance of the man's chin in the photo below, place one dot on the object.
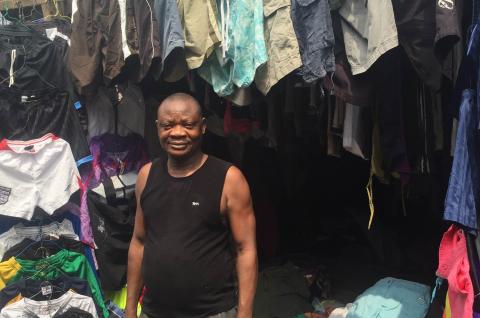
(179, 153)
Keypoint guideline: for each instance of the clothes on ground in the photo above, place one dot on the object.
(392, 298)
(281, 292)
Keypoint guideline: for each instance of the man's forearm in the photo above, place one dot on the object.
(134, 277)
(247, 272)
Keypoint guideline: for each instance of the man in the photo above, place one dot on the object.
(189, 205)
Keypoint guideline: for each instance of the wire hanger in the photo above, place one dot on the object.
(57, 14)
(32, 11)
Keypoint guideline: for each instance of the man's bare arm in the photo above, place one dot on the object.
(242, 224)
(135, 251)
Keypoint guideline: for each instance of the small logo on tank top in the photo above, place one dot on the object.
(194, 203)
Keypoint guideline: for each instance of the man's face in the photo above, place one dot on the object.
(180, 128)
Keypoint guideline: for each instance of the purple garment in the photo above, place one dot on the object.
(85, 229)
(114, 155)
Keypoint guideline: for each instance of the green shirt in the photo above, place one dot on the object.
(66, 263)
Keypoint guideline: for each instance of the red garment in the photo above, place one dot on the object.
(453, 266)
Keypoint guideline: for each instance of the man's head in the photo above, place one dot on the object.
(180, 125)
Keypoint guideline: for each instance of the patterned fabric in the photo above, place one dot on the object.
(243, 47)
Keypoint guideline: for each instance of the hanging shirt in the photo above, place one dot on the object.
(30, 288)
(200, 29)
(313, 27)
(18, 233)
(70, 263)
(367, 34)
(172, 43)
(461, 202)
(282, 45)
(27, 248)
(243, 47)
(28, 308)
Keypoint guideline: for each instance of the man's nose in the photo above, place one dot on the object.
(177, 131)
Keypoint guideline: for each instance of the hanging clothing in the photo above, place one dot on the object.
(64, 262)
(313, 27)
(30, 61)
(40, 172)
(200, 29)
(462, 200)
(8, 270)
(147, 36)
(30, 115)
(113, 154)
(282, 45)
(112, 224)
(108, 115)
(453, 265)
(449, 40)
(27, 248)
(243, 47)
(49, 308)
(18, 233)
(173, 66)
(367, 34)
(29, 288)
(416, 33)
(97, 44)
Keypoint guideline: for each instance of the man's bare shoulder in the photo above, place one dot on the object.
(142, 177)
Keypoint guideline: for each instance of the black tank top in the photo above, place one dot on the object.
(188, 264)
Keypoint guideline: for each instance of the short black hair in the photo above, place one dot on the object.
(182, 97)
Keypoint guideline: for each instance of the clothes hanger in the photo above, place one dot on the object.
(58, 14)
(45, 284)
(33, 10)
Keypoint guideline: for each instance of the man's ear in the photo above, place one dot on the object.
(204, 125)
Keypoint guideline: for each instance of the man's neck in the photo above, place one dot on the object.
(185, 166)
